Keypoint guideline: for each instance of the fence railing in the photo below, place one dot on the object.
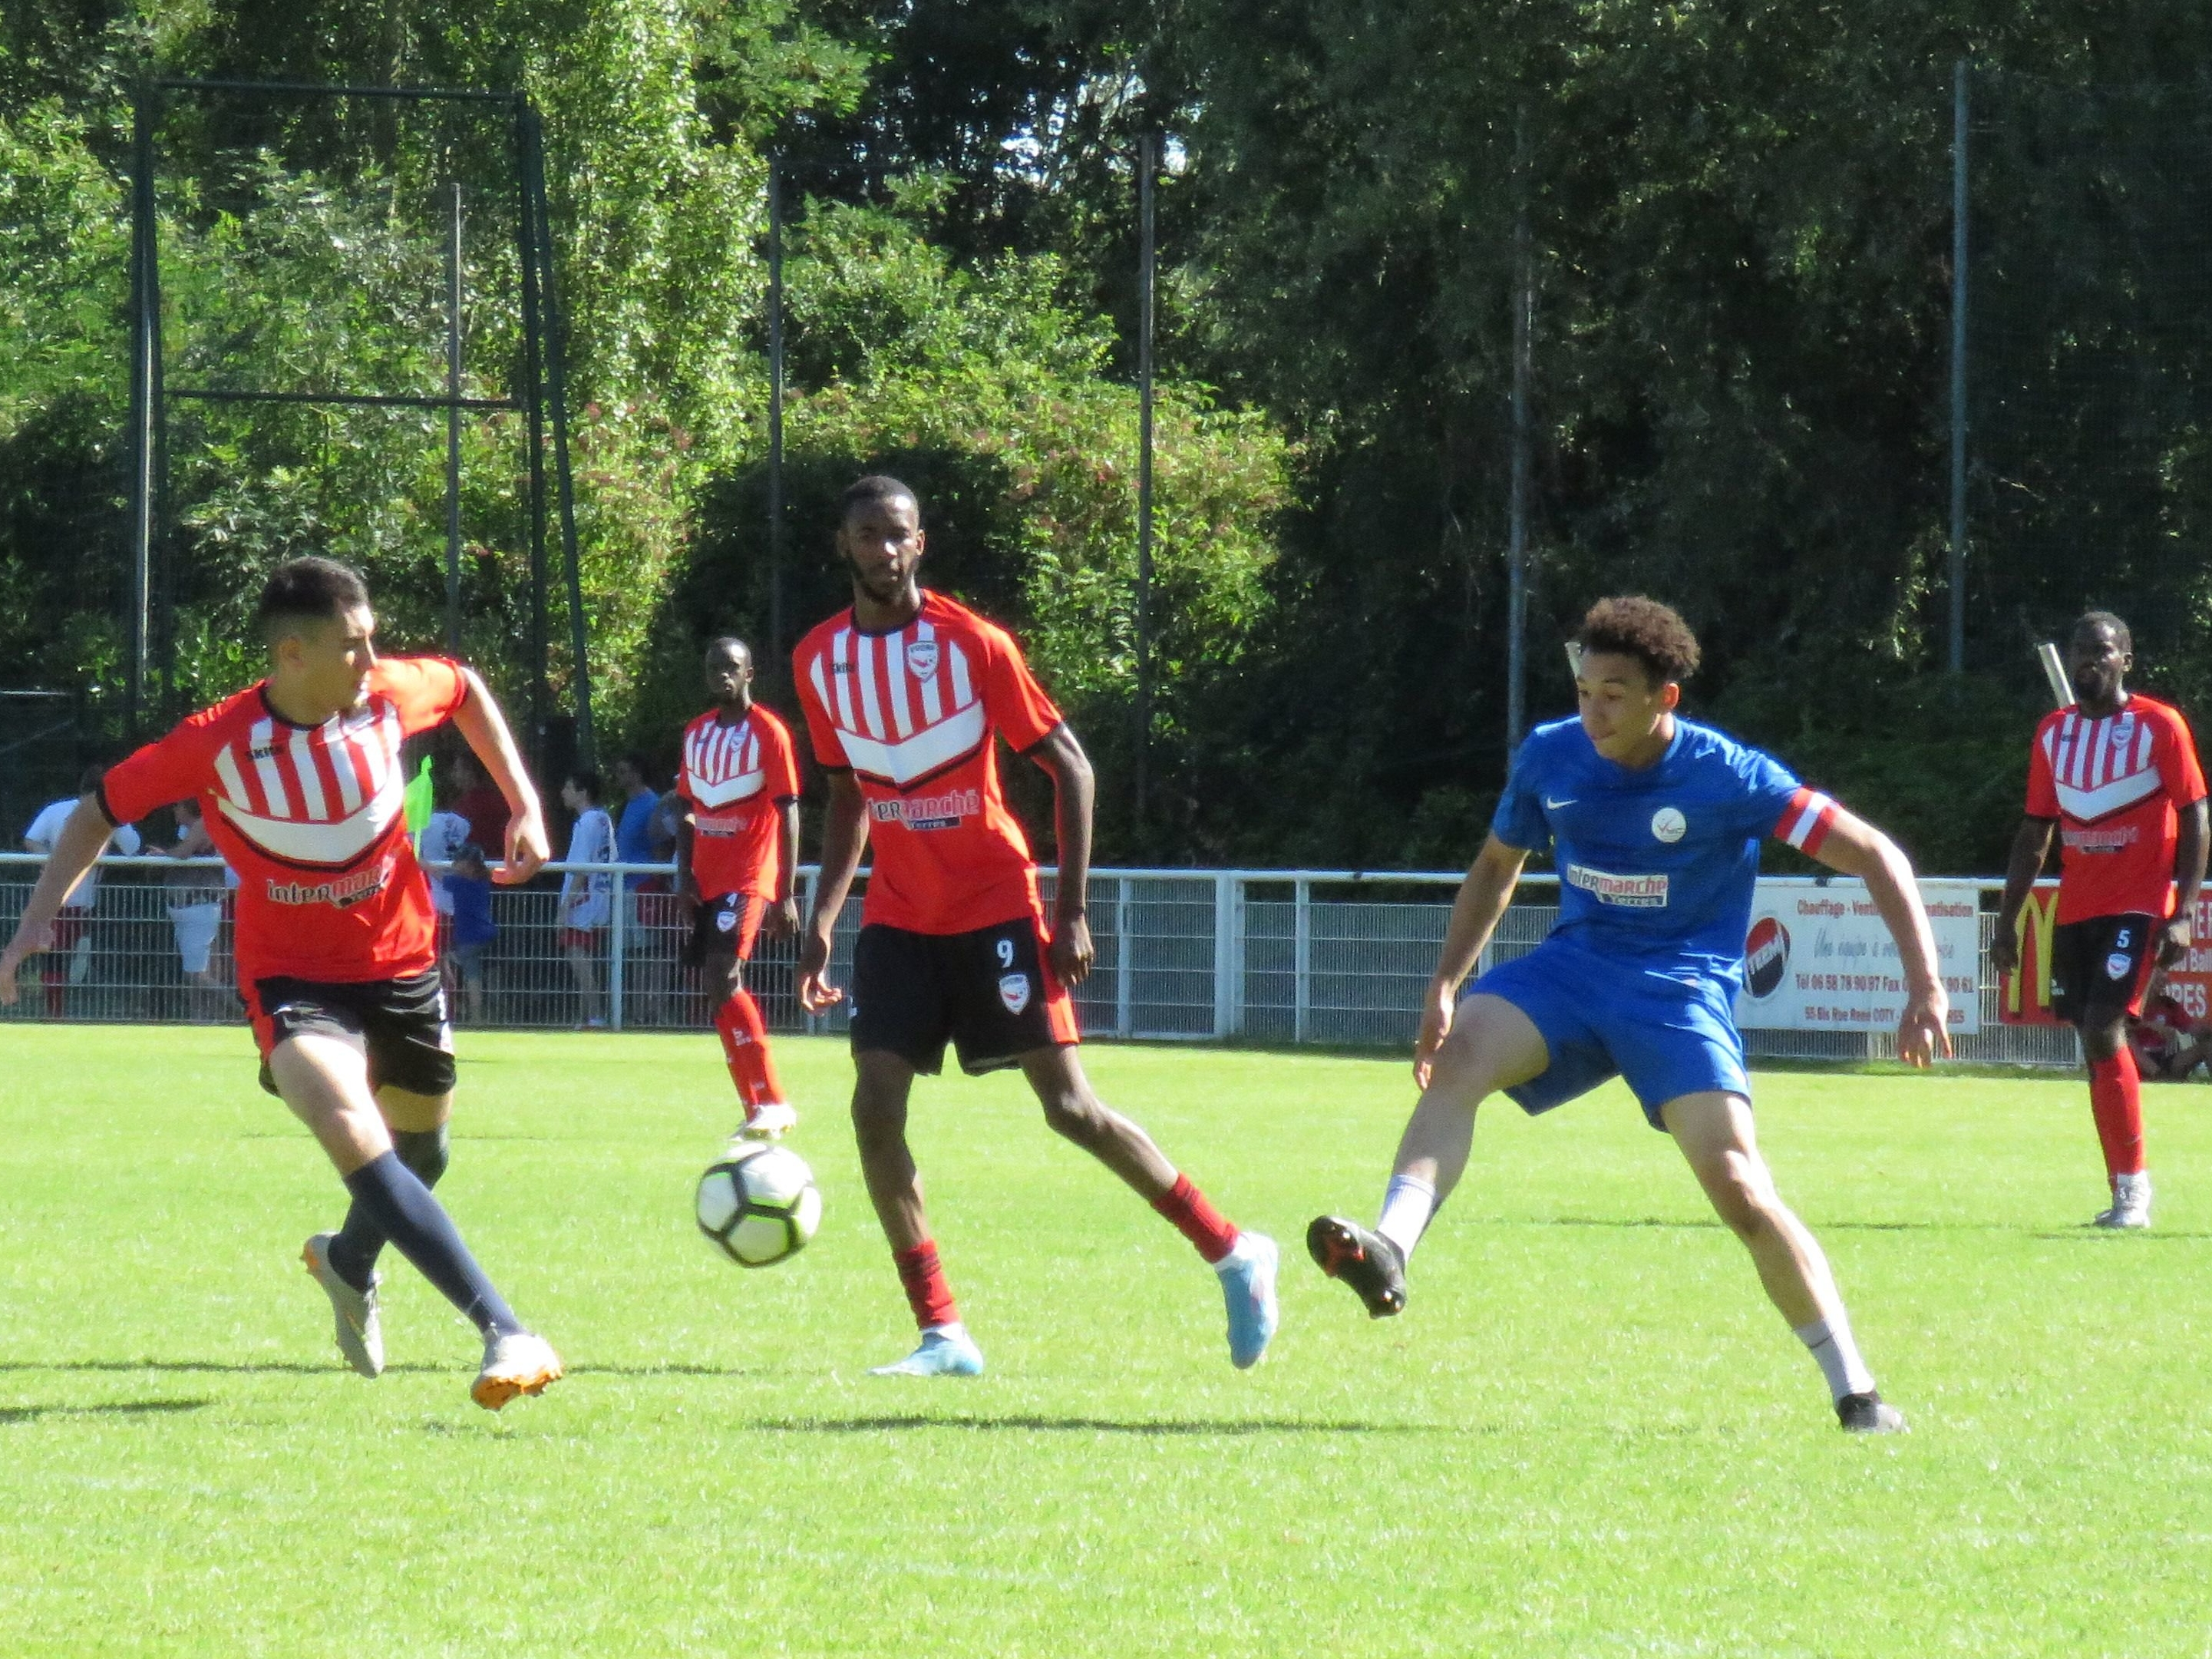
(1330, 956)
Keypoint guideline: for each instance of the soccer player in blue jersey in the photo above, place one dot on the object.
(1655, 823)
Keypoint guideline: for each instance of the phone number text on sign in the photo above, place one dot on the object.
(1821, 959)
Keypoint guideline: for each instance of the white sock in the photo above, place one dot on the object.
(1239, 1252)
(1838, 1356)
(1407, 1205)
(954, 1332)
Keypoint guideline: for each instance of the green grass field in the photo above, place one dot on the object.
(1588, 1435)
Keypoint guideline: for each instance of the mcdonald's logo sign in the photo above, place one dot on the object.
(2025, 998)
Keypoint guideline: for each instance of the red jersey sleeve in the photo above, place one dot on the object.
(1012, 700)
(2042, 787)
(427, 690)
(829, 752)
(2184, 776)
(778, 761)
(164, 772)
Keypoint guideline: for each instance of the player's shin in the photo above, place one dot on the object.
(2115, 1102)
(738, 1022)
(356, 1246)
(927, 1292)
(1836, 1352)
(398, 1204)
(1409, 1204)
(1193, 1215)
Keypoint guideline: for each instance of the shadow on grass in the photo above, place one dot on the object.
(318, 1368)
(1711, 1224)
(116, 1409)
(1031, 1424)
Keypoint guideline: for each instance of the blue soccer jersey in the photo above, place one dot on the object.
(1657, 866)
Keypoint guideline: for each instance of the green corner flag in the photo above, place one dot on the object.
(420, 799)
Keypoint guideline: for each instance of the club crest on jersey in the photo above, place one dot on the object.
(1668, 825)
(726, 921)
(2118, 964)
(921, 657)
(1014, 991)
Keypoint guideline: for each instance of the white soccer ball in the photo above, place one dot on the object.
(760, 1205)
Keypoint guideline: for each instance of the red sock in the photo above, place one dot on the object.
(926, 1293)
(745, 1045)
(2115, 1102)
(1197, 1220)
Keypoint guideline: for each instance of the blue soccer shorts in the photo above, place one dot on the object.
(1601, 1017)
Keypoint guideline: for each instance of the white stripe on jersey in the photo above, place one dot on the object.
(933, 699)
(302, 750)
(871, 704)
(263, 738)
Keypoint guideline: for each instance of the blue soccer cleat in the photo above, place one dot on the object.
(1247, 1285)
(950, 1351)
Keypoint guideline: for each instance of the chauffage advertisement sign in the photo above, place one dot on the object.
(1820, 958)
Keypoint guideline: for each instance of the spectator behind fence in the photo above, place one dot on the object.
(195, 902)
(467, 889)
(443, 831)
(586, 899)
(634, 834)
(68, 945)
(2168, 1044)
(479, 801)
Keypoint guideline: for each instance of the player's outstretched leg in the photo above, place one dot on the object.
(324, 1081)
(1493, 1046)
(1714, 1130)
(1245, 1262)
(881, 1084)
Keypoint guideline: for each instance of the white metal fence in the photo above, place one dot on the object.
(1336, 958)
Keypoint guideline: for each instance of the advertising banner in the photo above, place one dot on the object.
(2024, 998)
(1819, 959)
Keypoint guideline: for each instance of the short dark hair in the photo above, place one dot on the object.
(88, 780)
(634, 759)
(721, 640)
(875, 488)
(304, 590)
(587, 779)
(2089, 619)
(1631, 625)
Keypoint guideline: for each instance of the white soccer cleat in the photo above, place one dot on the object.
(515, 1362)
(771, 1121)
(359, 1332)
(946, 1351)
(2130, 1204)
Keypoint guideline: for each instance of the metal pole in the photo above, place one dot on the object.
(776, 417)
(533, 400)
(1516, 545)
(556, 392)
(453, 429)
(1148, 162)
(143, 301)
(1958, 651)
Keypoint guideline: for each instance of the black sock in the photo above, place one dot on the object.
(401, 1208)
(357, 1243)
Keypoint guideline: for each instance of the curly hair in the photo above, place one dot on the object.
(1654, 633)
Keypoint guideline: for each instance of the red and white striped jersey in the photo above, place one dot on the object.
(910, 714)
(2115, 785)
(736, 780)
(313, 819)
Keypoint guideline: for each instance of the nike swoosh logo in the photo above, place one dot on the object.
(1551, 806)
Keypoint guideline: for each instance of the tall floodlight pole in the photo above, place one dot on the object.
(1516, 542)
(145, 302)
(1958, 651)
(775, 413)
(1147, 164)
(453, 427)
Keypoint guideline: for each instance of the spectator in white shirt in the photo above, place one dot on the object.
(587, 899)
(69, 947)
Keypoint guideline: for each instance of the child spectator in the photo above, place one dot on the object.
(586, 897)
(467, 889)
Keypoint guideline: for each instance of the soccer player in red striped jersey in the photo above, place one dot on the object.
(736, 856)
(299, 784)
(906, 696)
(2117, 776)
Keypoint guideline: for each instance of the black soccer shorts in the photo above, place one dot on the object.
(990, 992)
(400, 1025)
(726, 925)
(2100, 968)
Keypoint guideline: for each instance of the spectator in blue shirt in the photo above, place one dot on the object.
(468, 885)
(633, 831)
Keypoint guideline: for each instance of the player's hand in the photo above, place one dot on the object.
(1069, 952)
(526, 849)
(11, 964)
(2004, 948)
(1924, 1034)
(2174, 942)
(816, 992)
(781, 921)
(1435, 1026)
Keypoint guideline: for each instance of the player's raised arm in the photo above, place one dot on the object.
(480, 721)
(76, 850)
(844, 837)
(1482, 900)
(1852, 846)
(1074, 790)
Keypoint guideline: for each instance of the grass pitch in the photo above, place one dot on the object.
(1588, 1435)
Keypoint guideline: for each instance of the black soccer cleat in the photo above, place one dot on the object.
(1869, 1413)
(1367, 1261)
